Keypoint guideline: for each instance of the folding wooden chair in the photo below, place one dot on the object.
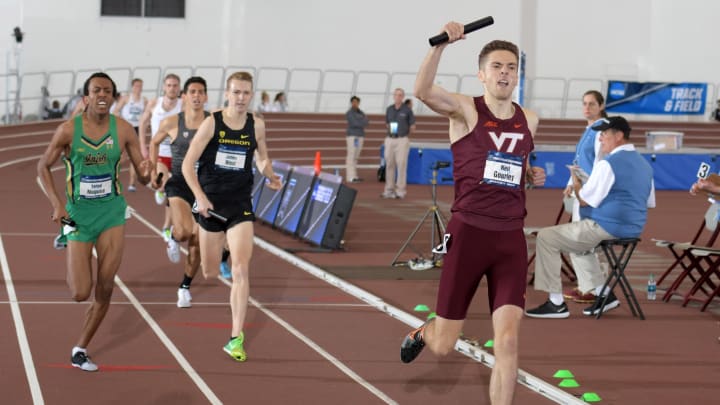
(567, 268)
(688, 264)
(709, 278)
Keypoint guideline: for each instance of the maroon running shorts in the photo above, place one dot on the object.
(473, 253)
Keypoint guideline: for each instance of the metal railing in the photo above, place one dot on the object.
(310, 89)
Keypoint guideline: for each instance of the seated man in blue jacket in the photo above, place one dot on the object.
(613, 204)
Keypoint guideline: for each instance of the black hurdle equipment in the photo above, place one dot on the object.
(473, 26)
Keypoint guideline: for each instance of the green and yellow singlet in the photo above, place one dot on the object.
(93, 166)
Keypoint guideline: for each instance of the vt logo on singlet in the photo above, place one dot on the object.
(500, 140)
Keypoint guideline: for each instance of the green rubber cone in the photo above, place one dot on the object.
(431, 315)
(563, 374)
(591, 397)
(489, 343)
(568, 383)
(421, 308)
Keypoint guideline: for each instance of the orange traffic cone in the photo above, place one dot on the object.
(318, 164)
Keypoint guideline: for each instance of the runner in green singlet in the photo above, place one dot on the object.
(91, 145)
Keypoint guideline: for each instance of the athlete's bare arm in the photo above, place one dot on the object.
(79, 107)
(143, 129)
(264, 163)
(535, 174)
(198, 144)
(168, 127)
(120, 104)
(131, 145)
(459, 108)
(532, 120)
(59, 144)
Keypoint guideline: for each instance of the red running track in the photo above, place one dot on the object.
(307, 341)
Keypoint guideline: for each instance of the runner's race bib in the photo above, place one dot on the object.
(503, 169)
(92, 187)
(230, 158)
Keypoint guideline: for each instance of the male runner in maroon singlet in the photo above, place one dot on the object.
(491, 139)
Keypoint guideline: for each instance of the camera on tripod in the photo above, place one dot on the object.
(440, 164)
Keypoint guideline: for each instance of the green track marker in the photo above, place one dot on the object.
(563, 374)
(568, 383)
(421, 308)
(489, 343)
(591, 397)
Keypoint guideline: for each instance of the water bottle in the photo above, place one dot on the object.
(651, 288)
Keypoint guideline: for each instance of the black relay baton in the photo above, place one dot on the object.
(210, 212)
(471, 27)
(217, 216)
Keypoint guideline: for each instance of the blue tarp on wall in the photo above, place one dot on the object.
(672, 170)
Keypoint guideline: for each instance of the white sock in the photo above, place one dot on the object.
(78, 349)
(557, 298)
(599, 291)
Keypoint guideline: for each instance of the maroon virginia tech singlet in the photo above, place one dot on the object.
(489, 167)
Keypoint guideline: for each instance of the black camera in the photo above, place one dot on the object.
(440, 164)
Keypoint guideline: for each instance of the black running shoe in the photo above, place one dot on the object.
(82, 361)
(549, 310)
(412, 345)
(612, 303)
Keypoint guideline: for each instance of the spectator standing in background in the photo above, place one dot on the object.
(357, 121)
(587, 153)
(400, 122)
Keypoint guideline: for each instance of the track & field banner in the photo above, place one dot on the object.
(656, 98)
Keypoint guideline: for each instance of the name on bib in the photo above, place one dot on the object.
(503, 169)
(92, 187)
(230, 158)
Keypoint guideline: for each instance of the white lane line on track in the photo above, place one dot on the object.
(48, 133)
(524, 378)
(52, 235)
(197, 304)
(20, 160)
(167, 342)
(24, 146)
(317, 348)
(32, 378)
